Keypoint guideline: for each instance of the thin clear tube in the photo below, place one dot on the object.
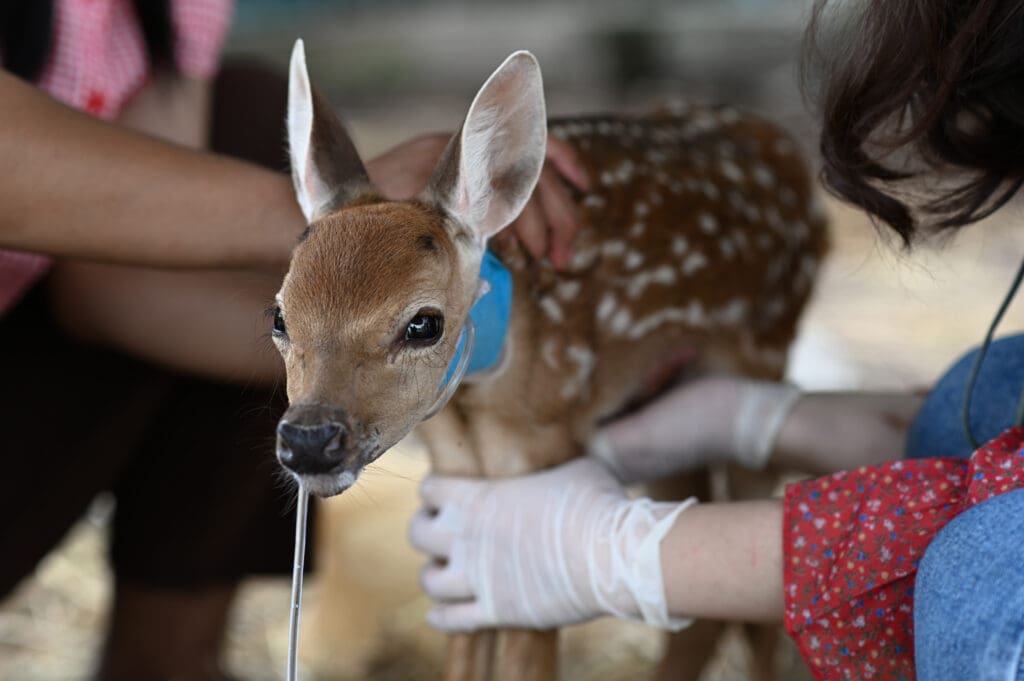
(301, 511)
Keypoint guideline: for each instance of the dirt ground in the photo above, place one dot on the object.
(879, 319)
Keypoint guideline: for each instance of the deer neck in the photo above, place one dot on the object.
(491, 315)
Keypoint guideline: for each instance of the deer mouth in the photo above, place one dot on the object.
(323, 449)
(327, 485)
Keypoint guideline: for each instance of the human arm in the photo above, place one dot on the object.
(722, 419)
(82, 188)
(567, 545)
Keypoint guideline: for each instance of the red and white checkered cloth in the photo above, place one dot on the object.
(97, 63)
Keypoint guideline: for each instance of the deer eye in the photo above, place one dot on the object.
(279, 328)
(425, 328)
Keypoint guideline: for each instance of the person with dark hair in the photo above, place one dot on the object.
(135, 269)
(889, 567)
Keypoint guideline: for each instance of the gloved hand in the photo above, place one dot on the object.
(710, 420)
(543, 550)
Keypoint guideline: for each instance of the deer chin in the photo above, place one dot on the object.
(328, 484)
(332, 481)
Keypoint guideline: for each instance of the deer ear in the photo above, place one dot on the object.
(490, 167)
(326, 168)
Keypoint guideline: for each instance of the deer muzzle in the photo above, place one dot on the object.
(316, 444)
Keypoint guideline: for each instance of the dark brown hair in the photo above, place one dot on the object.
(26, 31)
(922, 106)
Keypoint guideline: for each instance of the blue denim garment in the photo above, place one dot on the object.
(937, 430)
(969, 594)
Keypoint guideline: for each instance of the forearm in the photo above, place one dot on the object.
(828, 432)
(724, 561)
(208, 323)
(81, 188)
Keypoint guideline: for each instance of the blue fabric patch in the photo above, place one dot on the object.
(491, 315)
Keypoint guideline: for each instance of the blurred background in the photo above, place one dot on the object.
(880, 319)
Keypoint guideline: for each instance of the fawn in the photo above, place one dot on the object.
(700, 240)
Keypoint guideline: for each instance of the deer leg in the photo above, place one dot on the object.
(688, 652)
(470, 657)
(522, 654)
(526, 655)
(763, 640)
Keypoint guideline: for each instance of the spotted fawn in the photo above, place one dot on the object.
(700, 242)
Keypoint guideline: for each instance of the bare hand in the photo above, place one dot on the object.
(549, 222)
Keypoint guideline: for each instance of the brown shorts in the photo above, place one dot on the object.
(200, 498)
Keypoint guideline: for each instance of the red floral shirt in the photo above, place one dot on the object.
(852, 544)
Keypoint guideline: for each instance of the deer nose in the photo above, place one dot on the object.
(311, 449)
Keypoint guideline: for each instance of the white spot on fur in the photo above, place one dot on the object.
(606, 307)
(764, 176)
(549, 353)
(733, 313)
(637, 229)
(584, 359)
(656, 156)
(731, 171)
(613, 248)
(593, 201)
(624, 173)
(634, 259)
(552, 309)
(640, 209)
(693, 314)
(727, 248)
(664, 275)
(693, 262)
(607, 179)
(709, 189)
(620, 322)
(679, 245)
(583, 258)
(567, 290)
(708, 223)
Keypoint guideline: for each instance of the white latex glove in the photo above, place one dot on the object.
(704, 421)
(543, 550)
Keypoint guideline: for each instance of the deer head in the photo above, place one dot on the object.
(375, 299)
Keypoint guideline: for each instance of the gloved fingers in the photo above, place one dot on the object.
(602, 448)
(445, 582)
(434, 533)
(437, 491)
(457, 618)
